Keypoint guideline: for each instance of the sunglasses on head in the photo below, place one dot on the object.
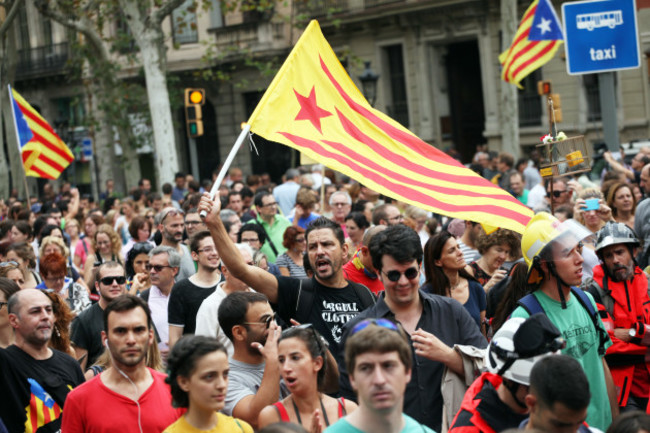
(9, 263)
(316, 336)
(394, 276)
(107, 281)
(142, 247)
(383, 323)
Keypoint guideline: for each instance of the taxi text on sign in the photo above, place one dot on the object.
(600, 36)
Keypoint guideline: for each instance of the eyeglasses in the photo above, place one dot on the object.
(340, 204)
(3, 303)
(62, 278)
(275, 203)
(107, 281)
(394, 275)
(249, 240)
(266, 321)
(207, 250)
(383, 323)
(300, 239)
(9, 263)
(192, 223)
(157, 268)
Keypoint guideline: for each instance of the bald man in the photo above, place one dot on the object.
(35, 379)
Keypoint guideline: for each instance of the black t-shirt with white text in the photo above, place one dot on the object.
(33, 391)
(330, 310)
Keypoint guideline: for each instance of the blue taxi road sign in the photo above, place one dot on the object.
(600, 36)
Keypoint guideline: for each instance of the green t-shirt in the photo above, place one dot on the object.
(410, 426)
(276, 233)
(582, 342)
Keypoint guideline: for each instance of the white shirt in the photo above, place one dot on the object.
(158, 306)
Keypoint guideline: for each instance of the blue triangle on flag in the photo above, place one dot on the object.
(546, 25)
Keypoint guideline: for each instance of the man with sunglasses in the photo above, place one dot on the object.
(434, 324)
(110, 283)
(272, 222)
(254, 377)
(163, 268)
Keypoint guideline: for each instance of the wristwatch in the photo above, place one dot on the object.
(632, 332)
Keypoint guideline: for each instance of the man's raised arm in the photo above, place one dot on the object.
(256, 278)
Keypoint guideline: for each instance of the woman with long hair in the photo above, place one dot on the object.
(593, 219)
(107, 246)
(198, 377)
(290, 262)
(137, 277)
(73, 229)
(63, 316)
(23, 254)
(623, 203)
(303, 363)
(444, 270)
(129, 209)
(515, 289)
(84, 248)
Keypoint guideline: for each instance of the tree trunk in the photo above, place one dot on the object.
(150, 38)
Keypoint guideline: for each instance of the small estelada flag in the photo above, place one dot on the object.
(43, 152)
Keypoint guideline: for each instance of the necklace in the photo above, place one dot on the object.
(322, 408)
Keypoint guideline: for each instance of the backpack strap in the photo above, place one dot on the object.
(600, 294)
(593, 314)
(531, 304)
(367, 298)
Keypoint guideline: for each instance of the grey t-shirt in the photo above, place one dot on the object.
(187, 268)
(243, 380)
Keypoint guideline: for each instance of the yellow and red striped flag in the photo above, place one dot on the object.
(313, 106)
(43, 152)
(538, 37)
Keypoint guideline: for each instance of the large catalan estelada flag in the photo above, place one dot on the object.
(313, 106)
(537, 39)
(44, 154)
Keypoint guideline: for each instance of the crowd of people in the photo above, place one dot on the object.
(319, 305)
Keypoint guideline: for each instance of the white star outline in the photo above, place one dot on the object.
(544, 26)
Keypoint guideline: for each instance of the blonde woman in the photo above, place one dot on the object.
(592, 214)
(107, 246)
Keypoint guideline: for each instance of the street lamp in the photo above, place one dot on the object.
(369, 82)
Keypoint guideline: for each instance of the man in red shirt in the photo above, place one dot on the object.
(128, 396)
(359, 269)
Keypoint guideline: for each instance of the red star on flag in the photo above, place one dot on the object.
(309, 110)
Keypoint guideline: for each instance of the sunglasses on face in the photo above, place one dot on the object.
(383, 323)
(266, 321)
(157, 268)
(107, 281)
(557, 194)
(9, 263)
(394, 276)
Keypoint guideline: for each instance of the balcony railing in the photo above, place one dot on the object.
(45, 60)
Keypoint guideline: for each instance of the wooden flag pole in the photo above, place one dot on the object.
(226, 165)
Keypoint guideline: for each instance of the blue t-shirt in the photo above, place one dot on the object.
(476, 302)
(304, 222)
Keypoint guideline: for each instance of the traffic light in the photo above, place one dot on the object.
(557, 106)
(543, 88)
(194, 99)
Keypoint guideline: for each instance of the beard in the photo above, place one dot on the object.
(622, 273)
